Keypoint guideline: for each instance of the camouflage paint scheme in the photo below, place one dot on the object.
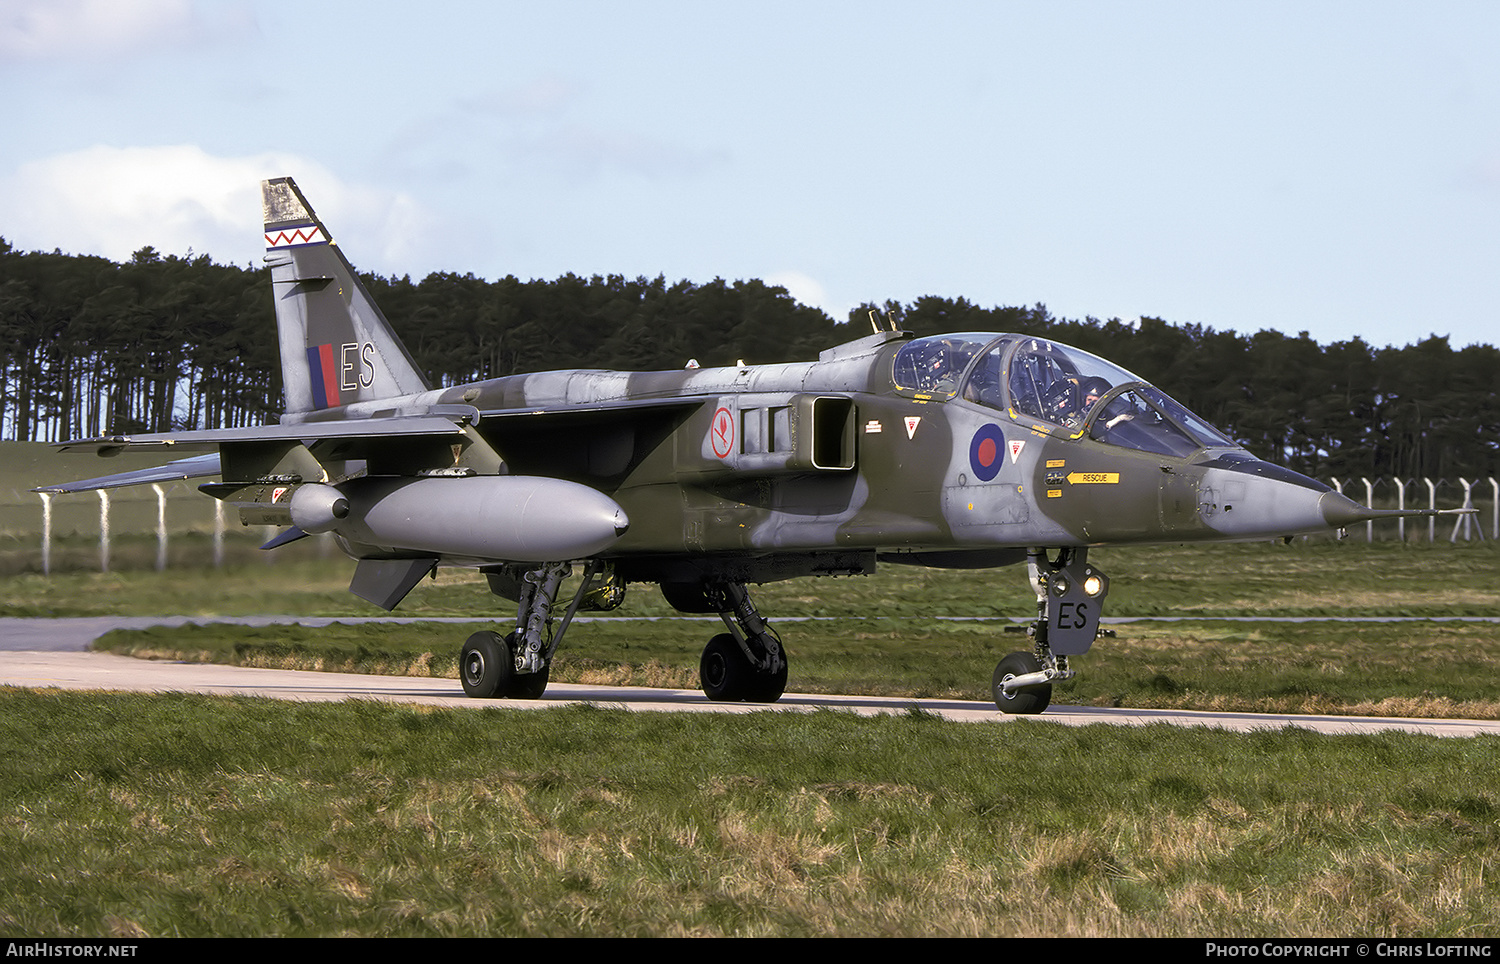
(967, 450)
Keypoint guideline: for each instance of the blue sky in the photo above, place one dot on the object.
(1327, 167)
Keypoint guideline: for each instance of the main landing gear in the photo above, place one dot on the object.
(1069, 601)
(746, 664)
(517, 665)
(487, 665)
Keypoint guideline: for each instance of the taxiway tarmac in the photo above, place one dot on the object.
(61, 664)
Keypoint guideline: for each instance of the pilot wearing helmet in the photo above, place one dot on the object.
(1093, 389)
(1069, 400)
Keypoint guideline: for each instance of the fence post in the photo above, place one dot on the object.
(46, 533)
(1462, 520)
(103, 530)
(1369, 501)
(161, 526)
(1432, 505)
(1400, 504)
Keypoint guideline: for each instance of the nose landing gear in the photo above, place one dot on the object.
(1069, 600)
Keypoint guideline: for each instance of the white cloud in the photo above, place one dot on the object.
(113, 201)
(43, 29)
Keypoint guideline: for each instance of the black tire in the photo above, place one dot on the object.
(724, 672)
(485, 666)
(1023, 702)
(525, 686)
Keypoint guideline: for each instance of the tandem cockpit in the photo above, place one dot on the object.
(1056, 389)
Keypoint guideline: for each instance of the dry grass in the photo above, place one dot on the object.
(361, 819)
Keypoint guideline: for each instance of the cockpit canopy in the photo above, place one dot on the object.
(1060, 390)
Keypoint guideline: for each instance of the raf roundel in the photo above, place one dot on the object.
(986, 452)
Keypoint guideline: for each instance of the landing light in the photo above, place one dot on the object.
(1093, 585)
(1060, 585)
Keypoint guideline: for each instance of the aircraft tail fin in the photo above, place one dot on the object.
(336, 345)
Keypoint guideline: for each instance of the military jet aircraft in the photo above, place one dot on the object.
(969, 450)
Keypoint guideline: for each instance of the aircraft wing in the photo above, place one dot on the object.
(371, 429)
(195, 467)
(527, 437)
(287, 432)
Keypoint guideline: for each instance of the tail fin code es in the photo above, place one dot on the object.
(336, 346)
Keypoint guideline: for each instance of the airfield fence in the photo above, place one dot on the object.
(174, 525)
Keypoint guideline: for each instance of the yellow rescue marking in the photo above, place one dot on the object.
(1093, 478)
(1054, 493)
(1056, 463)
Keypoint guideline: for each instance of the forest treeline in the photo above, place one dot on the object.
(94, 347)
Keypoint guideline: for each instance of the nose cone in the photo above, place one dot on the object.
(1251, 499)
(1245, 498)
